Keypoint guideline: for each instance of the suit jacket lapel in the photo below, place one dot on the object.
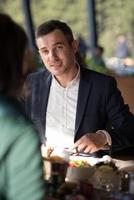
(83, 95)
(44, 94)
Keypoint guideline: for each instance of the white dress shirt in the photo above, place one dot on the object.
(61, 113)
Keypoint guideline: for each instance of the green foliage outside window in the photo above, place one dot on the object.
(113, 17)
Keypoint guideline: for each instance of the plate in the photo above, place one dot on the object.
(92, 160)
(124, 165)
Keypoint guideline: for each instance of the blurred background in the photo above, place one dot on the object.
(104, 29)
(113, 18)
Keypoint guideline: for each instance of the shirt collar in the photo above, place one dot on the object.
(72, 82)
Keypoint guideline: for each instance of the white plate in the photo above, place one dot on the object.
(92, 160)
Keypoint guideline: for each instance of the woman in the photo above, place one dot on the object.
(20, 158)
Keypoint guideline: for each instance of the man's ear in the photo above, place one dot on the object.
(75, 46)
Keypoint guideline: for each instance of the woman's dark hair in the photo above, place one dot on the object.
(13, 42)
(49, 26)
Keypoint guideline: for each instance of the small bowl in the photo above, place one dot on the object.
(77, 174)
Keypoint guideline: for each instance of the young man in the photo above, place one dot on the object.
(72, 106)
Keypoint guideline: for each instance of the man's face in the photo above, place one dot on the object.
(57, 54)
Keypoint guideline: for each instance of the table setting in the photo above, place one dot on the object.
(75, 173)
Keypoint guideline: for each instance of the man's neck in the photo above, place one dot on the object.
(65, 79)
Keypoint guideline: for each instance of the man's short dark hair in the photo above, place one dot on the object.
(51, 25)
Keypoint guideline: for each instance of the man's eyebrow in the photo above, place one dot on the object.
(57, 43)
(42, 48)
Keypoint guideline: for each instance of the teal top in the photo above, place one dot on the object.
(21, 171)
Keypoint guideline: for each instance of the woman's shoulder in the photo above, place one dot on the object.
(12, 115)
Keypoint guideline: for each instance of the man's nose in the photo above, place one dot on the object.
(52, 55)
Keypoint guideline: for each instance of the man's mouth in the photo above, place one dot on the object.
(55, 65)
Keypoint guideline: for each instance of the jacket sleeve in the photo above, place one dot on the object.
(122, 120)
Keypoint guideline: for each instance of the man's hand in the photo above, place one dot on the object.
(90, 142)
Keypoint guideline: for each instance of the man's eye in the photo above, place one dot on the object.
(60, 47)
(44, 51)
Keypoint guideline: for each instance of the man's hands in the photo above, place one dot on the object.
(90, 142)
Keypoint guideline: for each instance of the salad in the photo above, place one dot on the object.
(78, 163)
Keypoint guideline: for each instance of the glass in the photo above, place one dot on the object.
(125, 179)
(108, 180)
(55, 172)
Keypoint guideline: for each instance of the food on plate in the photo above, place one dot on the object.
(79, 170)
(78, 163)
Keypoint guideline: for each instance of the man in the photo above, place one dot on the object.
(72, 106)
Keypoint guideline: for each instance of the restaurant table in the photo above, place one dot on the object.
(125, 163)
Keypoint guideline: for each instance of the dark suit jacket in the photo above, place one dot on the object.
(100, 106)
